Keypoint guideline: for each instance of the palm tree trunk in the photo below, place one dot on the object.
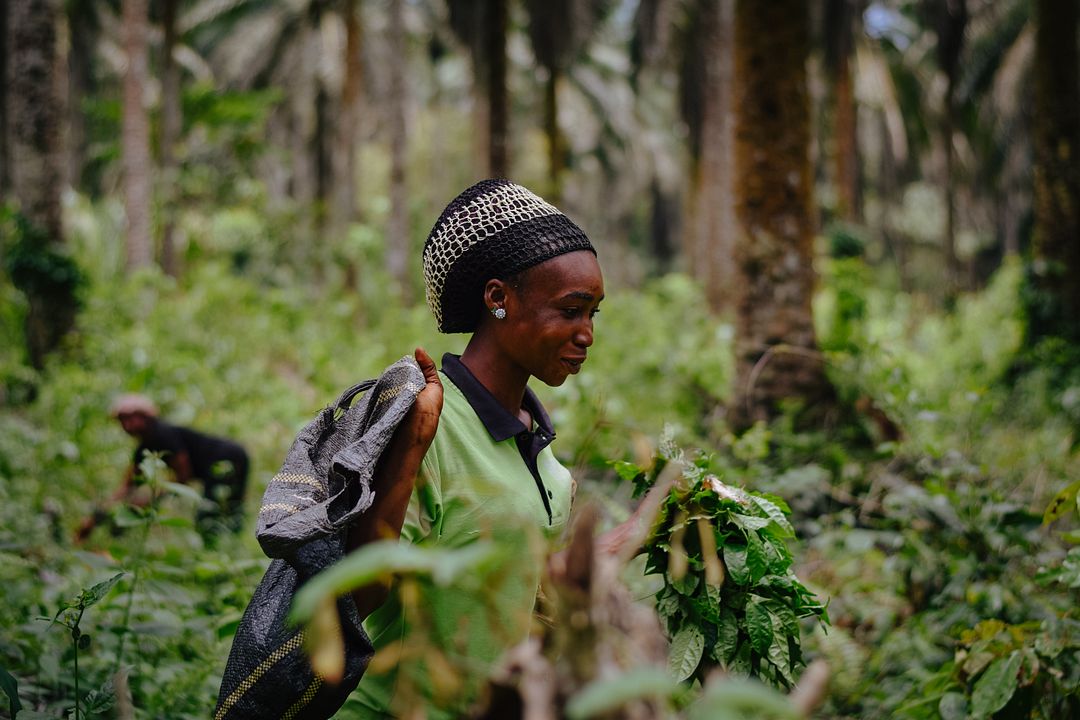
(776, 355)
(171, 119)
(135, 137)
(1054, 304)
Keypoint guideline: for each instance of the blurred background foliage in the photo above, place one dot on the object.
(223, 203)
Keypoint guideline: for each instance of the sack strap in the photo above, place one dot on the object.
(346, 398)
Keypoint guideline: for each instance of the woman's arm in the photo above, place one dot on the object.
(395, 476)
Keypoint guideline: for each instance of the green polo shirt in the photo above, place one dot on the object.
(435, 645)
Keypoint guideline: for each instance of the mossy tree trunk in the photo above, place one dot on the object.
(776, 351)
(35, 109)
(1054, 274)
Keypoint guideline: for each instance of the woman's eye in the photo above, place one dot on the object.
(593, 312)
(571, 312)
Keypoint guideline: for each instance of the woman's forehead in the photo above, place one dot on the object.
(574, 273)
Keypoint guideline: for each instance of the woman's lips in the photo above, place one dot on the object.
(574, 363)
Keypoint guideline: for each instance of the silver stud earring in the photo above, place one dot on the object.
(499, 313)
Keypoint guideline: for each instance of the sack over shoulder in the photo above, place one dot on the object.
(323, 485)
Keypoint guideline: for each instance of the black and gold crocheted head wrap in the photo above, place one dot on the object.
(494, 229)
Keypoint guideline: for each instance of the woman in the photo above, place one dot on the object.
(474, 456)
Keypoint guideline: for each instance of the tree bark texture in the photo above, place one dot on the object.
(84, 31)
(776, 356)
(37, 170)
(1054, 306)
(398, 246)
(841, 22)
(5, 83)
(498, 19)
(135, 137)
(951, 28)
(36, 111)
(171, 120)
(344, 190)
(711, 223)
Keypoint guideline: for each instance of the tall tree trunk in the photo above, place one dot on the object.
(344, 191)
(171, 120)
(37, 159)
(83, 35)
(841, 25)
(5, 144)
(556, 142)
(1054, 306)
(398, 247)
(497, 22)
(135, 137)
(951, 28)
(710, 213)
(776, 356)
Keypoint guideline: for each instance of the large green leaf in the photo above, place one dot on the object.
(756, 560)
(605, 695)
(772, 508)
(380, 560)
(736, 698)
(686, 649)
(10, 686)
(759, 626)
(735, 559)
(996, 686)
(727, 637)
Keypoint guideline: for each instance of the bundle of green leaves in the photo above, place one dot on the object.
(730, 598)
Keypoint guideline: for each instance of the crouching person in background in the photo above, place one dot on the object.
(220, 465)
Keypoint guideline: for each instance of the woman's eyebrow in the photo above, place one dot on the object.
(578, 295)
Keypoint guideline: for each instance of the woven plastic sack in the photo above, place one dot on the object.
(323, 485)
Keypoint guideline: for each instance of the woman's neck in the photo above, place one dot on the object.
(503, 378)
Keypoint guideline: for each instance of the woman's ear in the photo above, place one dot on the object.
(494, 294)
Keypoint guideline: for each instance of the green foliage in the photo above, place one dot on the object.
(729, 597)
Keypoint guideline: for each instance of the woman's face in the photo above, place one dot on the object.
(549, 316)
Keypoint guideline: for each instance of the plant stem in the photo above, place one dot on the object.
(131, 593)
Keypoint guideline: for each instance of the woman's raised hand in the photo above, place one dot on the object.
(425, 413)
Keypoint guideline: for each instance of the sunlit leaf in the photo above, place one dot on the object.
(380, 560)
(608, 694)
(1065, 501)
(735, 698)
(324, 642)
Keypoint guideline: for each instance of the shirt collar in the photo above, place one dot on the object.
(500, 422)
